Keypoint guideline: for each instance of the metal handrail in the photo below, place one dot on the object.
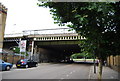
(41, 32)
(48, 31)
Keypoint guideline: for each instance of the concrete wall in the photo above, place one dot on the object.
(44, 54)
(47, 55)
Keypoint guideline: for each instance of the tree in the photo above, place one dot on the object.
(16, 50)
(82, 55)
(97, 22)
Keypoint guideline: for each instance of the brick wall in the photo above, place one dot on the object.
(10, 58)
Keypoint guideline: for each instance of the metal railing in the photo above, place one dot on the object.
(14, 35)
(48, 31)
(41, 32)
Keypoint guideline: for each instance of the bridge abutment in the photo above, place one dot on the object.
(47, 55)
(48, 47)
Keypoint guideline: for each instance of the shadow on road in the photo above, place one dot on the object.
(83, 63)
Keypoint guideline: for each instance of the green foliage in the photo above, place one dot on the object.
(82, 55)
(25, 53)
(78, 55)
(97, 22)
(16, 49)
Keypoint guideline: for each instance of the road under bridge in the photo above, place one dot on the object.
(48, 47)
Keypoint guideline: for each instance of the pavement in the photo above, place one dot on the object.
(107, 73)
(56, 71)
(14, 65)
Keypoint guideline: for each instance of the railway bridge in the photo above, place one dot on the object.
(47, 45)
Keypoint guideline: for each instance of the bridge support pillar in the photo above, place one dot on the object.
(32, 50)
(36, 55)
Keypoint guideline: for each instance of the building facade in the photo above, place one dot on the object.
(3, 15)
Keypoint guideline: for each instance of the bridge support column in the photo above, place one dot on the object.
(36, 55)
(32, 49)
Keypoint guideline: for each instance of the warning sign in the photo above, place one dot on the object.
(22, 45)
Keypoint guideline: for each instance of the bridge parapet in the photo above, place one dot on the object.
(42, 35)
(11, 39)
(41, 32)
(48, 31)
(13, 35)
(74, 36)
(48, 37)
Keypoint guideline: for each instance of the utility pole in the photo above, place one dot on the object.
(19, 47)
(94, 64)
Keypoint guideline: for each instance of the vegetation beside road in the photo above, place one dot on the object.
(88, 60)
(101, 30)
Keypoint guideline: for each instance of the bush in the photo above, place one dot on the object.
(82, 55)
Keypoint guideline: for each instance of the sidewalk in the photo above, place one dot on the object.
(108, 73)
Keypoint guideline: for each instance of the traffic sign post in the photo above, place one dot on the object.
(22, 45)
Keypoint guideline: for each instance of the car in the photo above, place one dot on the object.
(26, 63)
(5, 65)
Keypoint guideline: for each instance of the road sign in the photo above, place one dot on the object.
(23, 46)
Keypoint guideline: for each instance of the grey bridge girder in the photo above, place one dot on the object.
(61, 43)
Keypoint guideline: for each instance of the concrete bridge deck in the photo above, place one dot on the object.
(55, 45)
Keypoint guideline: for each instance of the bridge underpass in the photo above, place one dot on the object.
(56, 51)
(48, 47)
(9, 45)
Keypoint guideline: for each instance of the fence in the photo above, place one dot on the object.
(114, 62)
(10, 58)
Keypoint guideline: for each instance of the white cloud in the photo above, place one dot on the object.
(26, 15)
